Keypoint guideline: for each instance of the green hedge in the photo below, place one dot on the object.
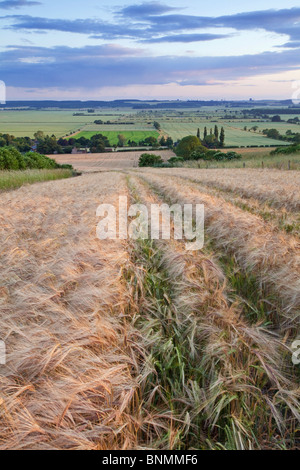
(216, 155)
(147, 159)
(12, 159)
(289, 150)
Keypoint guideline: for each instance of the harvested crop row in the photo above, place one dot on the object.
(225, 380)
(274, 257)
(278, 188)
(69, 379)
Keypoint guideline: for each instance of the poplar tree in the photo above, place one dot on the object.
(216, 133)
(222, 137)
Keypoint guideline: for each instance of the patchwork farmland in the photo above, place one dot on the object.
(137, 125)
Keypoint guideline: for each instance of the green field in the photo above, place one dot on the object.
(113, 135)
(101, 128)
(58, 122)
(282, 127)
(235, 136)
(177, 124)
(26, 123)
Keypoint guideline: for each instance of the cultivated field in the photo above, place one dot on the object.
(135, 344)
(59, 122)
(112, 135)
(98, 161)
(235, 135)
(137, 125)
(26, 123)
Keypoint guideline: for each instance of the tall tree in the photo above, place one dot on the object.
(205, 132)
(169, 142)
(198, 133)
(222, 137)
(217, 132)
(162, 141)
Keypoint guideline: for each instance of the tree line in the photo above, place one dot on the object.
(213, 139)
(98, 143)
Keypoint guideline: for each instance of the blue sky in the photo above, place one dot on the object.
(154, 49)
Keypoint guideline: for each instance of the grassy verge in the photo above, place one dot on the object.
(280, 162)
(16, 179)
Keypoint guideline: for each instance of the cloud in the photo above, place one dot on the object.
(146, 9)
(188, 38)
(63, 53)
(293, 45)
(11, 4)
(146, 21)
(105, 30)
(278, 21)
(97, 66)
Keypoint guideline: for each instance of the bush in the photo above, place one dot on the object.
(288, 150)
(213, 155)
(233, 156)
(187, 145)
(175, 160)
(147, 159)
(37, 161)
(12, 159)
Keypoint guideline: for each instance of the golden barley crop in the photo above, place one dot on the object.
(137, 344)
(214, 339)
(68, 379)
(273, 256)
(278, 188)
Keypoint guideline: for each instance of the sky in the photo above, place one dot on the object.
(169, 49)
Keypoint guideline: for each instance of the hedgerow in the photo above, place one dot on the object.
(12, 159)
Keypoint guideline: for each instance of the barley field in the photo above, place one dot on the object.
(141, 344)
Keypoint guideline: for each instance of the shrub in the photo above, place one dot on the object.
(175, 160)
(286, 150)
(211, 155)
(147, 159)
(12, 159)
(37, 161)
(187, 145)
